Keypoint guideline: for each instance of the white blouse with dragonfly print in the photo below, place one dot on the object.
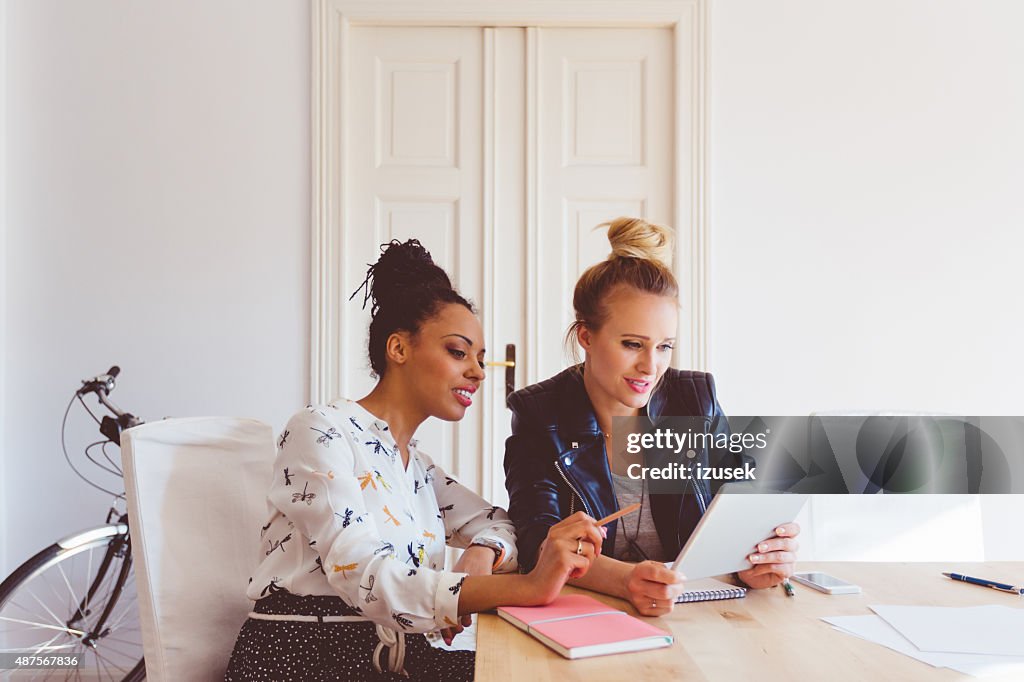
(347, 519)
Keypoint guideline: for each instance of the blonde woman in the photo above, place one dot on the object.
(558, 459)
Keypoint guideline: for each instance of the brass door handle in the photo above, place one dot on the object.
(509, 363)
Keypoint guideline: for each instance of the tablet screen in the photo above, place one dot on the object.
(730, 530)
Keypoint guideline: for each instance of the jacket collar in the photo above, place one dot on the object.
(576, 415)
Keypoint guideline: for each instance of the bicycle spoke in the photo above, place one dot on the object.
(130, 608)
(38, 649)
(107, 586)
(69, 646)
(20, 606)
(55, 647)
(69, 608)
(120, 624)
(105, 591)
(108, 646)
(47, 582)
(62, 628)
(134, 634)
(128, 642)
(47, 609)
(133, 627)
(71, 590)
(106, 672)
(88, 572)
(46, 644)
(126, 606)
(107, 661)
(115, 638)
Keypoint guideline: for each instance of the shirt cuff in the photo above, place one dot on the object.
(504, 558)
(446, 599)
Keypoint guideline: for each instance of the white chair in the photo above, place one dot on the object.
(196, 492)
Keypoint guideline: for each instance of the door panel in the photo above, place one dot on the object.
(605, 150)
(414, 160)
(468, 139)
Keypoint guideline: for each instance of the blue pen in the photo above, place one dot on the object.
(1002, 587)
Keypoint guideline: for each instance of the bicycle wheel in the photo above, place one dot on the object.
(77, 596)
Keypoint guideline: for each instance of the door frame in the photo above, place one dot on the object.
(331, 22)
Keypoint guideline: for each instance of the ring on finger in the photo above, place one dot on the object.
(579, 546)
(654, 604)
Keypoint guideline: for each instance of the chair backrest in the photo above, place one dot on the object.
(197, 491)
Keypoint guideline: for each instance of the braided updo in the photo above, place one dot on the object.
(405, 288)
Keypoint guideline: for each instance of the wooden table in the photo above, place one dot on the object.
(766, 636)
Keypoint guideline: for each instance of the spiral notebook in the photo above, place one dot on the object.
(578, 626)
(709, 589)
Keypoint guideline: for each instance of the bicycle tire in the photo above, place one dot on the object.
(43, 596)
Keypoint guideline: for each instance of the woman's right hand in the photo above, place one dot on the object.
(571, 545)
(653, 588)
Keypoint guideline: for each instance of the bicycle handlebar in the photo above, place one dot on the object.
(102, 385)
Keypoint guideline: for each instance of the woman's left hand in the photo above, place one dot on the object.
(475, 560)
(774, 558)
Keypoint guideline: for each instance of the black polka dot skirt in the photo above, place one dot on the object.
(284, 651)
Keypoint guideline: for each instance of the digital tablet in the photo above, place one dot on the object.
(730, 530)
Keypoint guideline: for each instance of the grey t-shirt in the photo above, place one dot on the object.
(629, 491)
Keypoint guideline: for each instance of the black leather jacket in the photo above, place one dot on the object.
(548, 478)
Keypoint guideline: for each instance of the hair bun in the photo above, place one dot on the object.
(404, 267)
(637, 238)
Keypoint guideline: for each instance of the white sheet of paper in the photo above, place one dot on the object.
(874, 629)
(990, 629)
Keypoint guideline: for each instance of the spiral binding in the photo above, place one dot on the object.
(712, 595)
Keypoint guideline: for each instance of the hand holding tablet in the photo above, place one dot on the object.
(775, 558)
(752, 534)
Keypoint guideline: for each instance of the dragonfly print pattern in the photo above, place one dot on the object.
(326, 436)
(379, 520)
(277, 544)
(304, 496)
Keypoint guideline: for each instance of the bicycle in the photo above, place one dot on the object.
(76, 598)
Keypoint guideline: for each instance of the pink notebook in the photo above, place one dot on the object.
(578, 626)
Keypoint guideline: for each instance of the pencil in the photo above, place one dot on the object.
(622, 512)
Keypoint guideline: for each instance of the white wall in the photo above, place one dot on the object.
(866, 170)
(157, 213)
(867, 160)
(3, 270)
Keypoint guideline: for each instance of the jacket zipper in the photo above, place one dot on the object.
(572, 502)
(701, 502)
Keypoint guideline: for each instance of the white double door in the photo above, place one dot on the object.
(501, 149)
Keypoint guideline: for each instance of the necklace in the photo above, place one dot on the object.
(634, 552)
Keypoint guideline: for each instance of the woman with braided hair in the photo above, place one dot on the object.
(354, 569)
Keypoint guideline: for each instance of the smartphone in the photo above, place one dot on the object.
(823, 582)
